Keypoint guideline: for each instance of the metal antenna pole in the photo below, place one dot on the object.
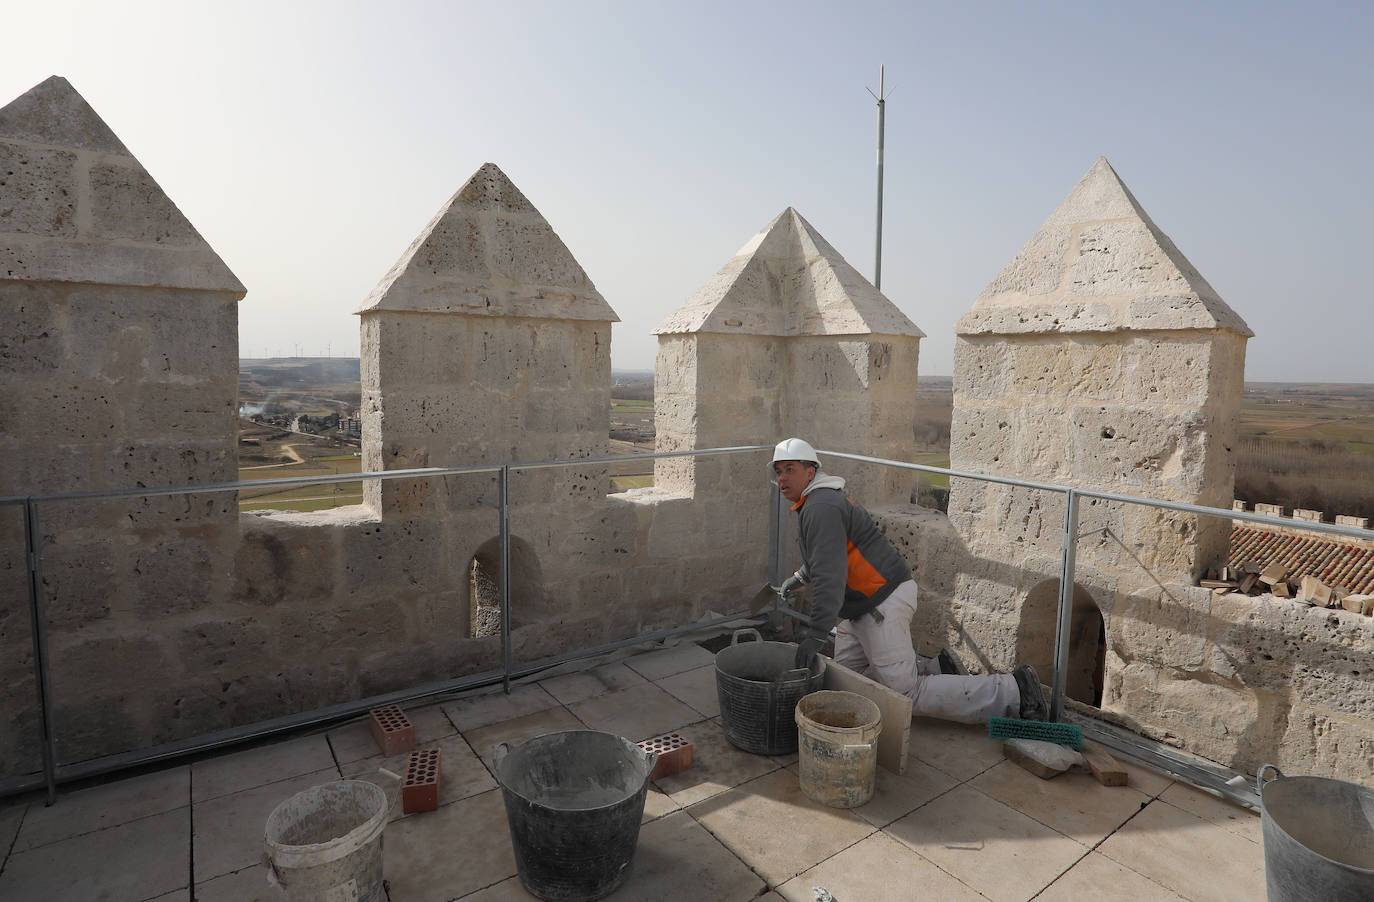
(881, 97)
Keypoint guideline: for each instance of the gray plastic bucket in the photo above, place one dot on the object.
(1318, 838)
(574, 801)
(325, 844)
(758, 690)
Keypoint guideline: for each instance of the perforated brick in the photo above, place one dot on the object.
(674, 754)
(420, 792)
(393, 731)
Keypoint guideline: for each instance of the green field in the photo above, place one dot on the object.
(303, 498)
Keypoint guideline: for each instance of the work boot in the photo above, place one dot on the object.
(1033, 705)
(950, 664)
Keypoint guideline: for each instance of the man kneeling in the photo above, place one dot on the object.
(862, 587)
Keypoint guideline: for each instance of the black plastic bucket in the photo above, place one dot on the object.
(1318, 838)
(574, 801)
(758, 690)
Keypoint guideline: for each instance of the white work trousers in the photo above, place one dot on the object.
(882, 651)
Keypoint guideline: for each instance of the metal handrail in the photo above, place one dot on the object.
(53, 770)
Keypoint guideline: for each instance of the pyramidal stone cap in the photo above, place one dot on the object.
(489, 252)
(788, 280)
(75, 206)
(1099, 264)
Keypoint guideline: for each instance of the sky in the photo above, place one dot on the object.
(310, 142)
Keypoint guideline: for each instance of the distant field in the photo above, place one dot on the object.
(303, 498)
(1302, 444)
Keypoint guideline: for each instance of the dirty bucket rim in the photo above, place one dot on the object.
(290, 856)
(637, 755)
(876, 720)
(1296, 784)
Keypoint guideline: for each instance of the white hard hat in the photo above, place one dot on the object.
(796, 449)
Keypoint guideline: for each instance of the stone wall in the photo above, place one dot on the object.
(118, 369)
(173, 616)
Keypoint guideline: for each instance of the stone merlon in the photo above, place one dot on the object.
(1099, 264)
(489, 252)
(806, 287)
(75, 206)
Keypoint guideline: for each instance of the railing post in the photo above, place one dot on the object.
(774, 534)
(32, 544)
(1065, 620)
(504, 578)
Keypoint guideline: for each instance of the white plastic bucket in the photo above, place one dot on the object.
(837, 747)
(325, 844)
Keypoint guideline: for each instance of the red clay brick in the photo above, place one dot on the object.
(392, 729)
(674, 754)
(420, 792)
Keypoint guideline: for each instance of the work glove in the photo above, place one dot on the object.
(807, 651)
(789, 585)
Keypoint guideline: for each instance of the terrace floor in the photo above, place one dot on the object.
(963, 823)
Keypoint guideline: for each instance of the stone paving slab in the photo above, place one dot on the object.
(997, 850)
(1189, 855)
(493, 706)
(716, 765)
(775, 829)
(1233, 817)
(520, 729)
(639, 712)
(449, 852)
(895, 796)
(961, 750)
(696, 688)
(246, 885)
(677, 858)
(215, 777)
(1074, 804)
(139, 860)
(878, 867)
(229, 830)
(656, 665)
(1100, 879)
(108, 805)
(570, 688)
(11, 817)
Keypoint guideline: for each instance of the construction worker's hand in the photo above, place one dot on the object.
(789, 585)
(807, 651)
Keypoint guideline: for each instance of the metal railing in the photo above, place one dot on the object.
(1217, 780)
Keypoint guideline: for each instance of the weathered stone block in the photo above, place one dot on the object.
(1043, 445)
(232, 645)
(1168, 626)
(981, 439)
(173, 577)
(1317, 742)
(456, 248)
(81, 585)
(39, 187)
(31, 345)
(980, 368)
(127, 204)
(529, 251)
(1116, 258)
(1066, 369)
(1160, 452)
(1038, 269)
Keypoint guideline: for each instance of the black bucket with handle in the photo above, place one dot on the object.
(758, 690)
(574, 800)
(1318, 838)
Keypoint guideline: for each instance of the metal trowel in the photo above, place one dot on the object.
(763, 598)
